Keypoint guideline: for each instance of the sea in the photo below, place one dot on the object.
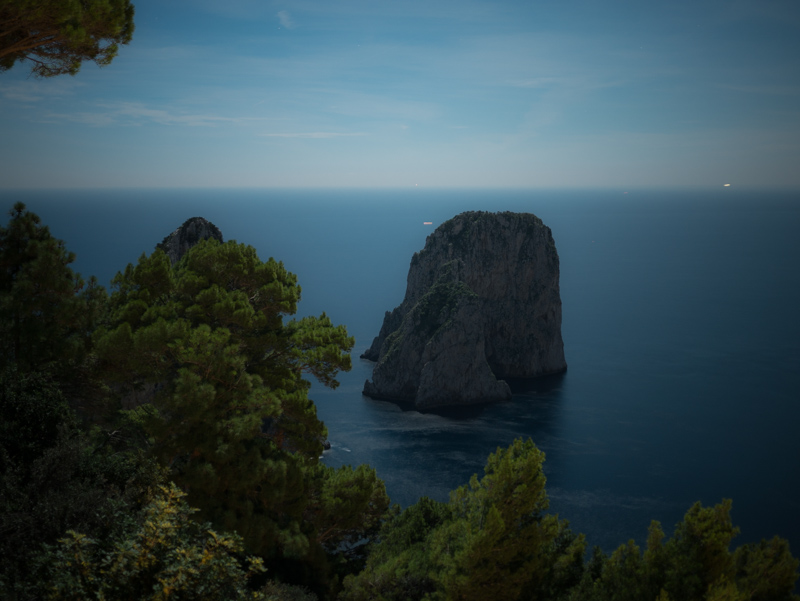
(681, 327)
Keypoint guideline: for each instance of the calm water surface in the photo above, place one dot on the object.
(681, 332)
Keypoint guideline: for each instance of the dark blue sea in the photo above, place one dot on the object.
(681, 326)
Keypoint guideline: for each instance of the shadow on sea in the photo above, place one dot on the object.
(548, 385)
(541, 385)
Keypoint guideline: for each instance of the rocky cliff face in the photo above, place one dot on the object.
(482, 303)
(186, 236)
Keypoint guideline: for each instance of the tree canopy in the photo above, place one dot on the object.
(56, 475)
(201, 356)
(695, 564)
(47, 311)
(493, 540)
(58, 35)
(164, 555)
(201, 372)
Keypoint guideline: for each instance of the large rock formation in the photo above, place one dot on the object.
(186, 236)
(482, 304)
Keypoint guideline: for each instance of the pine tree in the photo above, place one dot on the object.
(493, 540)
(501, 543)
(46, 311)
(55, 476)
(202, 357)
(58, 35)
(694, 565)
(766, 571)
(399, 567)
(699, 551)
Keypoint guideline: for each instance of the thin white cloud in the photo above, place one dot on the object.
(536, 82)
(21, 94)
(130, 113)
(93, 119)
(775, 90)
(140, 112)
(313, 134)
(286, 19)
(35, 90)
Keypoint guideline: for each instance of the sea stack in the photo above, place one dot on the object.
(482, 303)
(186, 236)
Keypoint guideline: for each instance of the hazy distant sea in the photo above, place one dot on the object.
(681, 325)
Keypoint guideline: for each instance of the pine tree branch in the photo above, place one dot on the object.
(30, 43)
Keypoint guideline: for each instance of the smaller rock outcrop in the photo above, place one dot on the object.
(482, 304)
(186, 236)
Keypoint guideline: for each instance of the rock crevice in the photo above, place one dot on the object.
(482, 303)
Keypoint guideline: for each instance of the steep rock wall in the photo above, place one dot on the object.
(482, 303)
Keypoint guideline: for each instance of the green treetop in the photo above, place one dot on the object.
(58, 35)
(492, 541)
(501, 543)
(201, 355)
(46, 311)
(696, 564)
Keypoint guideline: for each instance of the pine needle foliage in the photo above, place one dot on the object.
(203, 359)
(41, 314)
(493, 540)
(56, 36)
(47, 311)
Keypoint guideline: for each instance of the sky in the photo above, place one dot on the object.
(421, 93)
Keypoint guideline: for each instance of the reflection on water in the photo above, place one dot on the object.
(542, 385)
(434, 452)
(680, 329)
(520, 387)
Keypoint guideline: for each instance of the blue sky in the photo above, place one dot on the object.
(329, 93)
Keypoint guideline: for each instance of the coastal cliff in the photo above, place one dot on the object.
(187, 235)
(482, 303)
